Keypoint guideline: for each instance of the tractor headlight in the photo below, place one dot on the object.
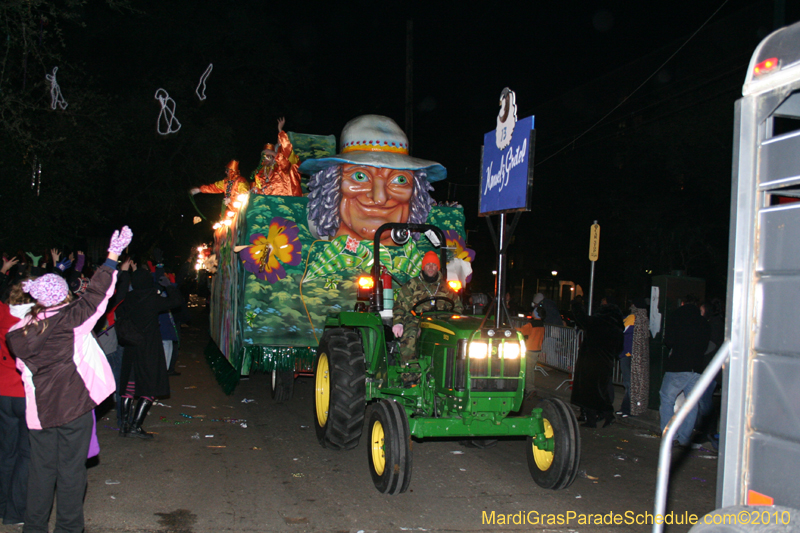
(364, 290)
(478, 350)
(509, 350)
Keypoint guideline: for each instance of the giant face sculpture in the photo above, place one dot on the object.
(372, 181)
(372, 196)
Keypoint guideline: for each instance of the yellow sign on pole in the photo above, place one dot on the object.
(594, 242)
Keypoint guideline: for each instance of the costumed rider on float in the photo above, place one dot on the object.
(277, 173)
(231, 186)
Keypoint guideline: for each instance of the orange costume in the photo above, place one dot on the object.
(535, 336)
(277, 175)
(232, 186)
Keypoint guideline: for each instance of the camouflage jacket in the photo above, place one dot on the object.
(418, 289)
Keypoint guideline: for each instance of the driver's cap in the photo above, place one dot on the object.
(431, 257)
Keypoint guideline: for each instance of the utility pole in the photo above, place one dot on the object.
(410, 83)
(778, 14)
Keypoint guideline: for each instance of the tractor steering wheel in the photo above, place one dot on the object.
(434, 299)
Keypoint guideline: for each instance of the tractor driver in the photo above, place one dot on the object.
(428, 284)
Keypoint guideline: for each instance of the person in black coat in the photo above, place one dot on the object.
(592, 387)
(144, 366)
(687, 339)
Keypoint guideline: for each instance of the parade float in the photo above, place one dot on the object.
(284, 263)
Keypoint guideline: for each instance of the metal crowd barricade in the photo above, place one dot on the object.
(560, 349)
(616, 378)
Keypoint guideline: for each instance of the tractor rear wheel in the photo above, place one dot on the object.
(339, 389)
(389, 452)
(282, 385)
(556, 469)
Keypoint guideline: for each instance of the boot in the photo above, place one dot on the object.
(138, 418)
(171, 369)
(591, 418)
(127, 414)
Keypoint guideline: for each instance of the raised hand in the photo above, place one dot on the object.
(34, 258)
(281, 122)
(80, 261)
(64, 264)
(120, 240)
(8, 263)
(55, 254)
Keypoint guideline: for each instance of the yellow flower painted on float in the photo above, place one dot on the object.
(266, 255)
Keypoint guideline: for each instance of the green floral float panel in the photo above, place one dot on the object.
(277, 290)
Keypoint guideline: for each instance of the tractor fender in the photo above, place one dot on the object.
(373, 337)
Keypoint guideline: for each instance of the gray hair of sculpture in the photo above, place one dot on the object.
(323, 200)
(326, 195)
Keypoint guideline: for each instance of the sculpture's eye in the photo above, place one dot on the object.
(400, 180)
(359, 177)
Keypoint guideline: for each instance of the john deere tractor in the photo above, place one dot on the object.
(467, 380)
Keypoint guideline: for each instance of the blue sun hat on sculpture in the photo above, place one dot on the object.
(373, 180)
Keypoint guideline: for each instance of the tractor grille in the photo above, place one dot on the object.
(493, 373)
(494, 385)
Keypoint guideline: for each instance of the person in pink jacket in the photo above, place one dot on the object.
(66, 375)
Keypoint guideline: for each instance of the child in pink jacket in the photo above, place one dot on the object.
(66, 375)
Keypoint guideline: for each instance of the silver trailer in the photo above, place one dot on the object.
(758, 478)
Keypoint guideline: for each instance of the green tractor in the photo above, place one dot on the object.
(471, 378)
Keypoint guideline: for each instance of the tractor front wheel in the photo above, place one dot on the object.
(282, 385)
(558, 468)
(389, 452)
(339, 389)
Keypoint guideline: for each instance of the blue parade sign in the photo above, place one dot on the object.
(507, 173)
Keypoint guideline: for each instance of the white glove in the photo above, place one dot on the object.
(120, 240)
(194, 191)
(397, 329)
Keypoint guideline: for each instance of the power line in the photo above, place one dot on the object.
(692, 36)
(650, 106)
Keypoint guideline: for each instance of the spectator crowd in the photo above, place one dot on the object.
(73, 336)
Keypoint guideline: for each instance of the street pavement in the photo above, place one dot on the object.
(242, 463)
(556, 384)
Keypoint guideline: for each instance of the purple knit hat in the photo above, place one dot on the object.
(48, 290)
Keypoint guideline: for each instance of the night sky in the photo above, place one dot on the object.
(570, 63)
(322, 66)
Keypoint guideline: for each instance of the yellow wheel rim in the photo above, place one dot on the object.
(544, 458)
(322, 389)
(378, 454)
